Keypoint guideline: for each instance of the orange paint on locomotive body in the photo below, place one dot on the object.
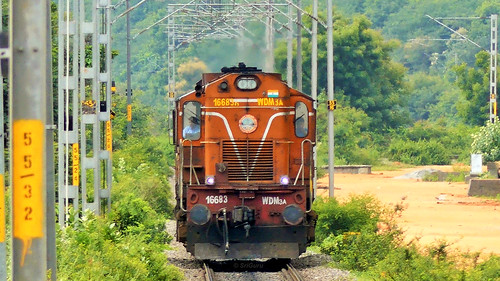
(247, 165)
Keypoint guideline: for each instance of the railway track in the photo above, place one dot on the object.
(209, 273)
(289, 273)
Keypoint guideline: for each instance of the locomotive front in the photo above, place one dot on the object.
(244, 167)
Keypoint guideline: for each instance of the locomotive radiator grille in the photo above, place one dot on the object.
(248, 160)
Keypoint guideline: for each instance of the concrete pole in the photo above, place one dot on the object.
(3, 253)
(129, 82)
(331, 141)
(314, 76)
(49, 156)
(289, 49)
(269, 64)
(298, 64)
(28, 78)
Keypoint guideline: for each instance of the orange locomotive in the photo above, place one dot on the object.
(244, 169)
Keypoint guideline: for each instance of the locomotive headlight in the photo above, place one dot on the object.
(293, 214)
(210, 180)
(284, 180)
(199, 214)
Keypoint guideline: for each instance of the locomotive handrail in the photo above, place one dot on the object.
(181, 172)
(191, 167)
(301, 169)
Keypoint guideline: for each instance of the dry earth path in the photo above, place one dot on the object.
(433, 210)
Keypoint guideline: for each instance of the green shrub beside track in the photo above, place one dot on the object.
(361, 236)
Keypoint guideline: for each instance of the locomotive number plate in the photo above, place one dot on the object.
(214, 199)
(225, 102)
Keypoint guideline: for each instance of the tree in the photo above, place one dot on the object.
(365, 76)
(189, 73)
(473, 82)
(431, 97)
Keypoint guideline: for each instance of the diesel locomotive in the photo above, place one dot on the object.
(244, 166)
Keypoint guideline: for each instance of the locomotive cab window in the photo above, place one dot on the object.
(247, 83)
(301, 120)
(191, 120)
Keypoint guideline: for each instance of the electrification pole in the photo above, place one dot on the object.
(129, 82)
(298, 63)
(314, 77)
(493, 67)
(50, 213)
(331, 141)
(289, 49)
(3, 253)
(28, 77)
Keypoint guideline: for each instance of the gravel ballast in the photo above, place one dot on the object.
(312, 266)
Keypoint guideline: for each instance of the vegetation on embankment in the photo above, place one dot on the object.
(128, 243)
(360, 235)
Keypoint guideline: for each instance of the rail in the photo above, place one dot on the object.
(209, 273)
(290, 273)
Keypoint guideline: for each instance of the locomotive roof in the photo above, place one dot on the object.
(241, 69)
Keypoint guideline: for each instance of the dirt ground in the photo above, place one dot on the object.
(433, 210)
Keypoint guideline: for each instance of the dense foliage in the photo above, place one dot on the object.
(474, 85)
(365, 76)
(97, 248)
(360, 235)
(128, 243)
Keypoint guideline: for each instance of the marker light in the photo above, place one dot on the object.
(210, 180)
(284, 180)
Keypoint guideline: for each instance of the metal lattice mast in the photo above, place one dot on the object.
(68, 108)
(493, 67)
(95, 97)
(28, 79)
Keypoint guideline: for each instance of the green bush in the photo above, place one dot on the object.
(487, 270)
(360, 213)
(487, 141)
(94, 248)
(133, 215)
(358, 250)
(422, 152)
(142, 168)
(427, 143)
(406, 263)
